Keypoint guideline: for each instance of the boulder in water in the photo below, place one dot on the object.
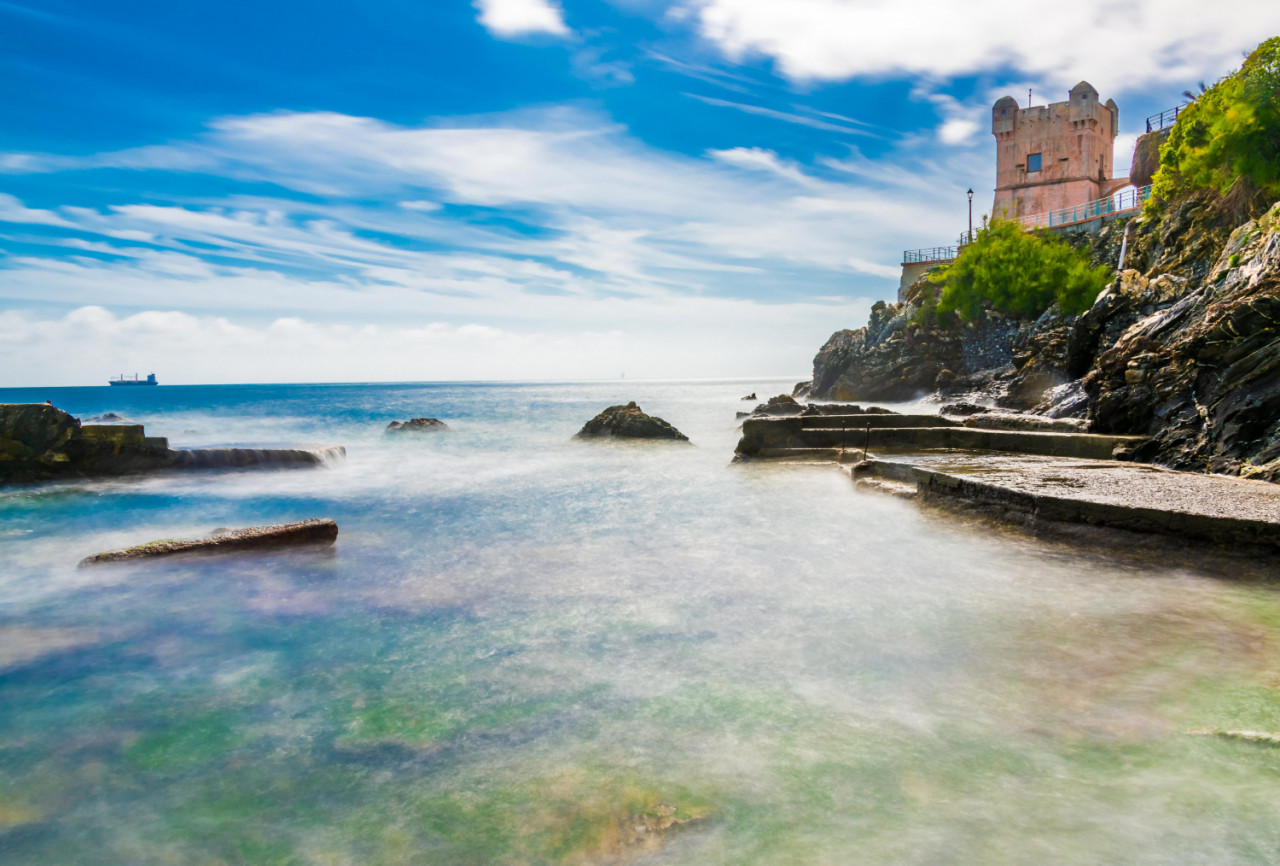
(783, 404)
(629, 422)
(418, 425)
(751, 396)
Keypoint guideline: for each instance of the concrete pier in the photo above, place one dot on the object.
(764, 438)
(1128, 496)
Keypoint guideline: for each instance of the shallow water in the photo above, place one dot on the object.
(525, 649)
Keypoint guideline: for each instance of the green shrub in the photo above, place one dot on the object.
(1228, 140)
(1021, 273)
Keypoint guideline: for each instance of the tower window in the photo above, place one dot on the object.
(1033, 162)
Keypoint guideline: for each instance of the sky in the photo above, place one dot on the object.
(432, 190)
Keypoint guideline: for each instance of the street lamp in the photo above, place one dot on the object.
(970, 214)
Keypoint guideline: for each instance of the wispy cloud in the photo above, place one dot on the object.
(787, 116)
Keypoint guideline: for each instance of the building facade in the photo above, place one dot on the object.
(1054, 156)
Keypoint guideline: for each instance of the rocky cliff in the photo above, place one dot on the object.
(1183, 346)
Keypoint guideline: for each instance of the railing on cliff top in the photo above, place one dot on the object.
(1129, 199)
(1112, 204)
(930, 254)
(1165, 118)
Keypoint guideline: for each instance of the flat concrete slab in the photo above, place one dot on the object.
(1129, 496)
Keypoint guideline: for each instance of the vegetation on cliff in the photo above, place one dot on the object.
(1228, 140)
(1020, 273)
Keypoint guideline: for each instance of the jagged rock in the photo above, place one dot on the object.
(890, 359)
(418, 425)
(1201, 375)
(109, 418)
(801, 390)
(1040, 356)
(319, 531)
(629, 422)
(751, 396)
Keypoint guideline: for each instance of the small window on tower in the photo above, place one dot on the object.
(1033, 162)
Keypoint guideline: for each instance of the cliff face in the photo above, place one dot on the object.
(1201, 373)
(1184, 346)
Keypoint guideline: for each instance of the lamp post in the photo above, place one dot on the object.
(970, 214)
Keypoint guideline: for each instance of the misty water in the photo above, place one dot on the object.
(522, 648)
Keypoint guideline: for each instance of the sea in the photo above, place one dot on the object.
(525, 648)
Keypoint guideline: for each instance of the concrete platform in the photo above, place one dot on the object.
(1120, 495)
(784, 437)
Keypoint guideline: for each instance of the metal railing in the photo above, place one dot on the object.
(930, 254)
(1112, 204)
(1165, 118)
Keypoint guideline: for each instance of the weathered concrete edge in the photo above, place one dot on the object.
(316, 531)
(934, 485)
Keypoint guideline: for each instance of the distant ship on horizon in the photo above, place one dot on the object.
(150, 380)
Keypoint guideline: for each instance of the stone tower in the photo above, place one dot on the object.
(1053, 156)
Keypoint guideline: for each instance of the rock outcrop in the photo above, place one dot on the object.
(418, 425)
(629, 422)
(39, 442)
(1183, 346)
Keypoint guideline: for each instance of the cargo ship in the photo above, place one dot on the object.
(150, 380)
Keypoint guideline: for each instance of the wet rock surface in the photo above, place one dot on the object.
(418, 425)
(306, 532)
(629, 422)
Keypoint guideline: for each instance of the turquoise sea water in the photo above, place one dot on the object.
(525, 649)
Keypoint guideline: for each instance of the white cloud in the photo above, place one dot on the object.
(513, 18)
(957, 130)
(1148, 41)
(714, 337)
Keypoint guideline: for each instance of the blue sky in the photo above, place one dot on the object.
(515, 189)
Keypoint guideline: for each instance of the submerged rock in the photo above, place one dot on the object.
(419, 425)
(751, 396)
(629, 422)
(319, 531)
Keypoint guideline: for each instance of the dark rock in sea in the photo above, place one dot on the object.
(306, 532)
(751, 396)
(41, 443)
(629, 422)
(109, 418)
(418, 425)
(963, 409)
(801, 390)
(741, 415)
(783, 404)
